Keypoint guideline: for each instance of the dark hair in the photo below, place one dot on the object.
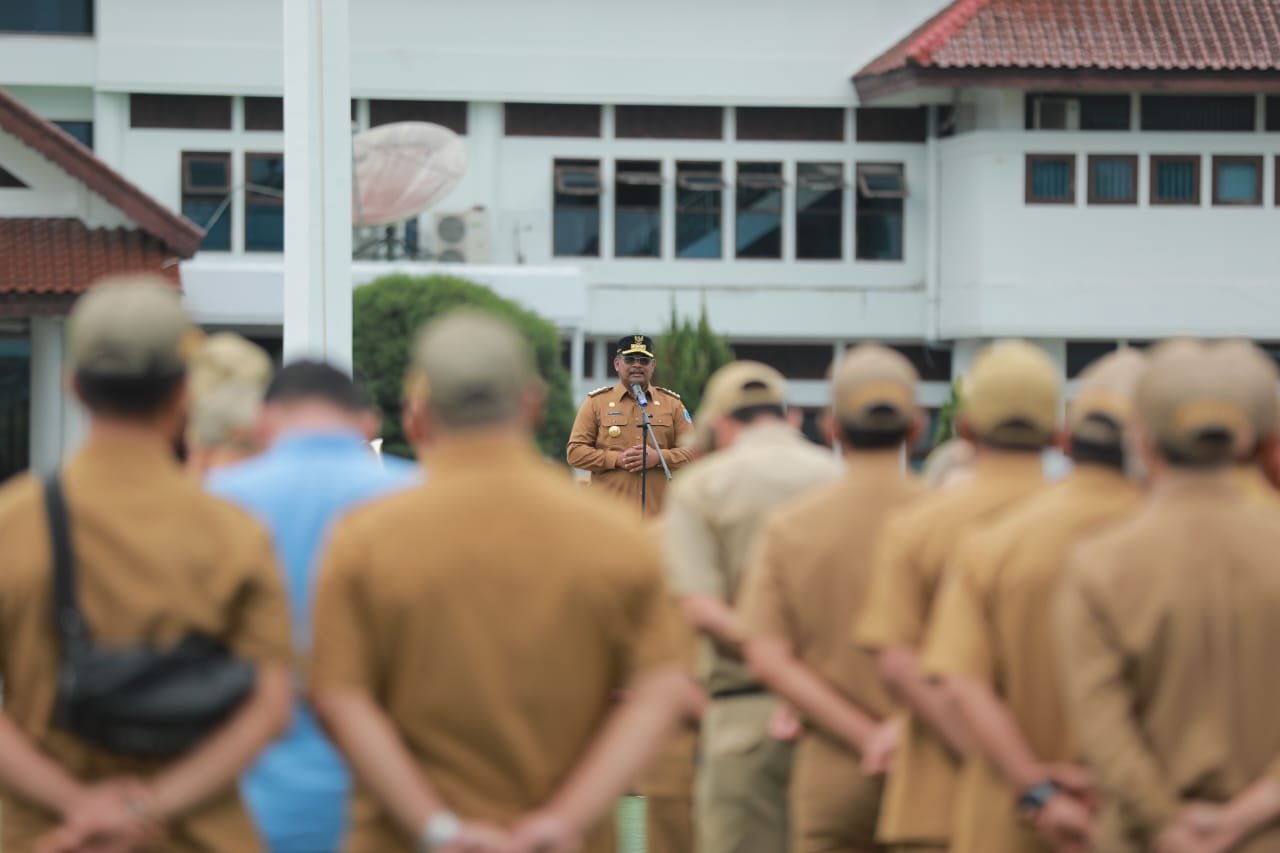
(1215, 446)
(315, 380)
(747, 414)
(1095, 453)
(861, 438)
(126, 396)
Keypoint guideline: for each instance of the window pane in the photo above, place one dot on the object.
(819, 210)
(263, 227)
(1104, 112)
(1175, 181)
(698, 210)
(759, 225)
(82, 131)
(1080, 354)
(200, 209)
(266, 171)
(576, 215)
(74, 17)
(638, 212)
(1051, 179)
(1237, 182)
(879, 234)
(208, 173)
(1198, 112)
(1114, 180)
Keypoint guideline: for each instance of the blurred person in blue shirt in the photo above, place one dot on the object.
(319, 465)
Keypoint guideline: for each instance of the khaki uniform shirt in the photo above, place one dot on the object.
(812, 571)
(994, 624)
(1168, 626)
(611, 421)
(492, 614)
(156, 558)
(915, 548)
(716, 511)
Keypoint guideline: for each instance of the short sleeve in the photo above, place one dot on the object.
(958, 642)
(763, 608)
(342, 633)
(653, 634)
(894, 611)
(261, 633)
(691, 548)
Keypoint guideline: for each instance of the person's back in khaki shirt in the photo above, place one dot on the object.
(713, 516)
(472, 635)
(155, 560)
(1168, 627)
(992, 638)
(808, 584)
(1010, 412)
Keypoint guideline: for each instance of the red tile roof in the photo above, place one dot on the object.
(180, 236)
(1185, 37)
(61, 256)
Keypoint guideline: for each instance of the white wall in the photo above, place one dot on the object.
(1103, 271)
(51, 192)
(665, 51)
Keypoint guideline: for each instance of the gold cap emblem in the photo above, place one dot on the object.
(615, 431)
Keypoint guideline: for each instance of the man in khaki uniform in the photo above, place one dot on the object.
(1010, 413)
(1256, 367)
(1168, 627)
(155, 559)
(809, 583)
(472, 634)
(992, 638)
(714, 514)
(608, 434)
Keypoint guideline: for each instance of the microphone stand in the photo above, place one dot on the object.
(647, 436)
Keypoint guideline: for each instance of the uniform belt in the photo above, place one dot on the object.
(744, 690)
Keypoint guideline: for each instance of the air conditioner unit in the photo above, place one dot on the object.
(1057, 114)
(462, 237)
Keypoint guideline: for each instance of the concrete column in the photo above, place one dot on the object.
(110, 122)
(317, 134)
(48, 401)
(578, 362)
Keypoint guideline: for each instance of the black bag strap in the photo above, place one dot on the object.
(67, 618)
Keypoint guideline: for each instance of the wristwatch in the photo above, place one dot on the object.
(440, 830)
(1033, 799)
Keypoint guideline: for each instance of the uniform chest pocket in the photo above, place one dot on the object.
(617, 432)
(662, 428)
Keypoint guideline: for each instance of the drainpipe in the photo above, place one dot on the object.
(933, 261)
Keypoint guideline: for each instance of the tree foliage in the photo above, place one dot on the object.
(389, 312)
(945, 427)
(688, 353)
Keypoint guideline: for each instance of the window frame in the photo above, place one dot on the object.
(1029, 168)
(558, 188)
(1154, 162)
(863, 190)
(832, 180)
(1128, 201)
(258, 197)
(222, 194)
(863, 170)
(765, 181)
(563, 188)
(1255, 160)
(632, 177)
(688, 175)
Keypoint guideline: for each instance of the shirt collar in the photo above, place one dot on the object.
(319, 438)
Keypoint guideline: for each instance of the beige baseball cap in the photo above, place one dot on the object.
(472, 368)
(1255, 369)
(1103, 407)
(874, 388)
(736, 385)
(131, 326)
(1011, 395)
(226, 357)
(1196, 408)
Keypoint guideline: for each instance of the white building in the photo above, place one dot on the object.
(927, 173)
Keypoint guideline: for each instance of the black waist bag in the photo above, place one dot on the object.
(138, 700)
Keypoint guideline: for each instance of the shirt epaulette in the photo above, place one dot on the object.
(667, 391)
(599, 390)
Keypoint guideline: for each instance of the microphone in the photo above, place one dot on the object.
(638, 393)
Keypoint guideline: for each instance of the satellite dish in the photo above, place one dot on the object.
(401, 169)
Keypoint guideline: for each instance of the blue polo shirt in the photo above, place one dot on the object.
(297, 791)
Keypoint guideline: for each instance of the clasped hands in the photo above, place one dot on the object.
(110, 817)
(633, 459)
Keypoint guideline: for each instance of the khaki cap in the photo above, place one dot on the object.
(227, 357)
(131, 327)
(1252, 366)
(736, 385)
(472, 368)
(226, 415)
(1103, 406)
(874, 388)
(1194, 407)
(1011, 395)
